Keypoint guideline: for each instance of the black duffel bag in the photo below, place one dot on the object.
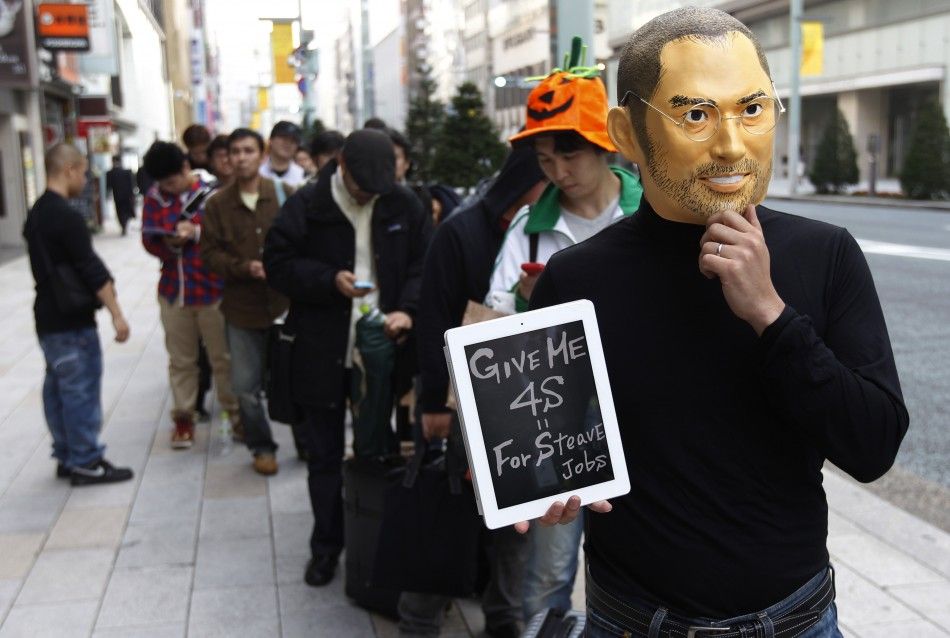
(429, 537)
(278, 387)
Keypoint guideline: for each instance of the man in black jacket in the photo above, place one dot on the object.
(457, 270)
(745, 347)
(58, 239)
(353, 234)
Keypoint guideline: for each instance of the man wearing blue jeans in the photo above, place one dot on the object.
(746, 348)
(236, 221)
(59, 242)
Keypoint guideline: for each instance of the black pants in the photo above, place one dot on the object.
(325, 441)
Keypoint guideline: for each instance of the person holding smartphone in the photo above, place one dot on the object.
(350, 238)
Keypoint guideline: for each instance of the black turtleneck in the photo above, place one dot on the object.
(725, 432)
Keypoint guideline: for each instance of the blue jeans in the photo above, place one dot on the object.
(598, 626)
(71, 395)
(248, 354)
(551, 567)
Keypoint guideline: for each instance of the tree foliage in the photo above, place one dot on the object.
(468, 148)
(424, 124)
(926, 170)
(836, 163)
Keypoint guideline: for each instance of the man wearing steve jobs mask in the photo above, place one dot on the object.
(745, 346)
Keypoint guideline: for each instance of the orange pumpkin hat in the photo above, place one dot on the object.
(572, 100)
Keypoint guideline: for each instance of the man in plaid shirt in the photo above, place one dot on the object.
(188, 293)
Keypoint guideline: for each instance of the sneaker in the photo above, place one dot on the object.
(97, 472)
(62, 471)
(265, 463)
(184, 433)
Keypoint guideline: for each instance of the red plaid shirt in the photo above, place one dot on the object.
(185, 279)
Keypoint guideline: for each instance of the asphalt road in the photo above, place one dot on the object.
(908, 251)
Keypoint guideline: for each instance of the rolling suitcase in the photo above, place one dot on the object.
(366, 481)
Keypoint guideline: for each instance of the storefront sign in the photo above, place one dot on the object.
(101, 57)
(63, 27)
(14, 46)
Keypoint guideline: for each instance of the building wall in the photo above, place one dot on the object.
(177, 42)
(391, 79)
(145, 85)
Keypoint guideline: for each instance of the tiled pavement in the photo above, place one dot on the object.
(199, 545)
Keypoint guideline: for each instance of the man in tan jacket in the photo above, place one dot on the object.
(236, 222)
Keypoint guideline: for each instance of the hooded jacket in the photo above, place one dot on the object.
(459, 264)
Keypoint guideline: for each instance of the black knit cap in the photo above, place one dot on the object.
(370, 160)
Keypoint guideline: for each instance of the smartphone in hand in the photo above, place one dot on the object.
(363, 285)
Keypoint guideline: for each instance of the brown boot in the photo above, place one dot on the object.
(184, 433)
(265, 463)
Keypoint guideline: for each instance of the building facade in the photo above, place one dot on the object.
(112, 99)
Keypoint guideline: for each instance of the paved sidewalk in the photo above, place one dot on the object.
(202, 546)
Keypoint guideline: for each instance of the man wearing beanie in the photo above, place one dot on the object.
(457, 271)
(566, 126)
(350, 238)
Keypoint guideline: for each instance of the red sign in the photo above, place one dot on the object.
(83, 126)
(63, 27)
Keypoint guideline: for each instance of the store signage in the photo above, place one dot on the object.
(14, 47)
(63, 27)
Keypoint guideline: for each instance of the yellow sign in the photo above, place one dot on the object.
(256, 121)
(813, 48)
(262, 101)
(282, 47)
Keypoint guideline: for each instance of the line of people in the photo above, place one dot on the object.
(744, 346)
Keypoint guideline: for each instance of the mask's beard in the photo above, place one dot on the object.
(690, 194)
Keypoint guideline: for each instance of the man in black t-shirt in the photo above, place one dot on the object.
(60, 247)
(745, 347)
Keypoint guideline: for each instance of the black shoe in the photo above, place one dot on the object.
(100, 471)
(507, 630)
(62, 471)
(320, 570)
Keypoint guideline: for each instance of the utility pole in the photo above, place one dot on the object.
(795, 98)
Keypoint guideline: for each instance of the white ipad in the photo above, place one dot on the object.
(536, 411)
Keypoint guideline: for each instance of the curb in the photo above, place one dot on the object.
(889, 202)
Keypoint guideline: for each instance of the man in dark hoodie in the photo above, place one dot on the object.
(457, 269)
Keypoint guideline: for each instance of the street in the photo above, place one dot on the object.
(908, 251)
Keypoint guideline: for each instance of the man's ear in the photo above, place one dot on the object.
(620, 130)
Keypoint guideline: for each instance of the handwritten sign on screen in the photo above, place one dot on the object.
(540, 419)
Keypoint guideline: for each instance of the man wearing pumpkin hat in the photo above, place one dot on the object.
(566, 124)
(746, 347)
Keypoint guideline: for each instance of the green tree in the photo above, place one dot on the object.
(836, 163)
(468, 148)
(926, 170)
(423, 124)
